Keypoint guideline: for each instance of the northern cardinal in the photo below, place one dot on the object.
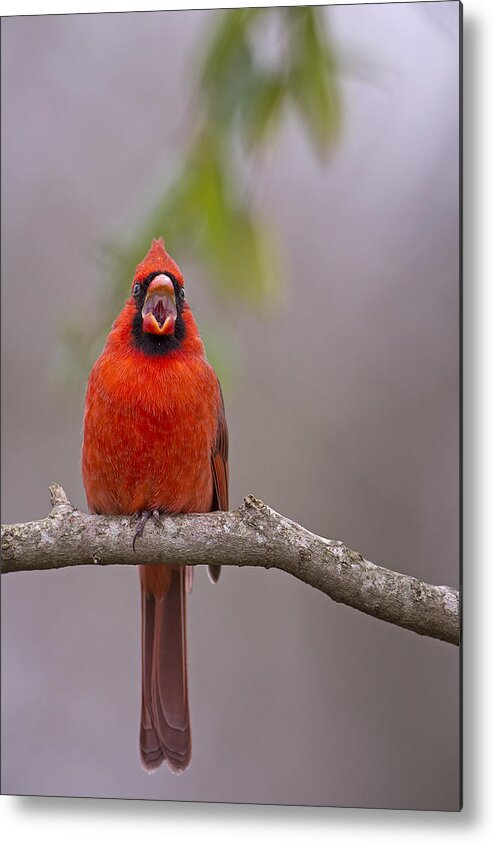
(156, 441)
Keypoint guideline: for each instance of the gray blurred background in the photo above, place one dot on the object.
(346, 421)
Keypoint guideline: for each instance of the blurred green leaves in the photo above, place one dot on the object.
(313, 80)
(258, 64)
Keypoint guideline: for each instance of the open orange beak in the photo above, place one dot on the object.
(159, 313)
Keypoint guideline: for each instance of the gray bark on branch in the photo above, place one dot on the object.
(252, 535)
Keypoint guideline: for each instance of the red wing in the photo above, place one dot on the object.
(219, 468)
(219, 462)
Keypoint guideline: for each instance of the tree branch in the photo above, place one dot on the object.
(252, 535)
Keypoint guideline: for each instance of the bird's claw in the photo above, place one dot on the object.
(157, 518)
(143, 518)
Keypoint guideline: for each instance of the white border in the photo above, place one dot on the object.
(30, 7)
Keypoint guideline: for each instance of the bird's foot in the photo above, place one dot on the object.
(143, 518)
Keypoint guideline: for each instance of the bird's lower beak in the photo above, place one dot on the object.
(159, 313)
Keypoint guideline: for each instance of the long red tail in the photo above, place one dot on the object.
(165, 723)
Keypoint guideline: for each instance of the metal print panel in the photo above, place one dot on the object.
(266, 199)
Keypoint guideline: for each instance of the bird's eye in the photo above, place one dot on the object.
(182, 293)
(136, 289)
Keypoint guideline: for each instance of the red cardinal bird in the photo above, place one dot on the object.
(156, 441)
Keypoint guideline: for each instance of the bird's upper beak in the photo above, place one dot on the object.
(160, 308)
